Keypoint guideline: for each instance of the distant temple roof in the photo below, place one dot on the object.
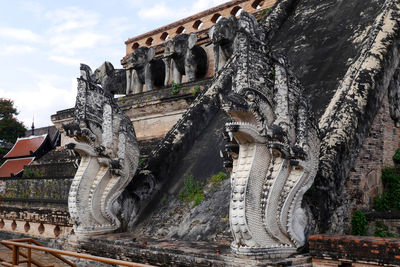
(14, 166)
(26, 146)
(51, 131)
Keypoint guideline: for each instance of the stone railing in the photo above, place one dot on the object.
(196, 23)
(38, 222)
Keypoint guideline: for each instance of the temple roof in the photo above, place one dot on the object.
(26, 146)
(14, 166)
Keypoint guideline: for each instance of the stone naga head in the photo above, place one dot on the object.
(223, 36)
(104, 137)
(272, 148)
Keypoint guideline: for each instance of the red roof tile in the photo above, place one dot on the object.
(14, 166)
(24, 146)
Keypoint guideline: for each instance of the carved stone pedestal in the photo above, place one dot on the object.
(279, 252)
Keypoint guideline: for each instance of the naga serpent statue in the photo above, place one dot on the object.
(272, 147)
(106, 141)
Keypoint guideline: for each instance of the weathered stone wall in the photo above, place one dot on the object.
(63, 116)
(346, 71)
(37, 206)
(154, 113)
(208, 220)
(47, 190)
(376, 153)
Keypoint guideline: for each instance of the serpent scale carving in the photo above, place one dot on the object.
(106, 141)
(272, 147)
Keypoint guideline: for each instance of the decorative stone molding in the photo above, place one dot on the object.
(272, 148)
(40, 222)
(106, 141)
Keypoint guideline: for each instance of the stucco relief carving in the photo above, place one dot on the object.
(184, 57)
(222, 36)
(105, 139)
(111, 80)
(142, 68)
(272, 149)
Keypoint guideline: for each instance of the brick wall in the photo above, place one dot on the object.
(364, 181)
(339, 250)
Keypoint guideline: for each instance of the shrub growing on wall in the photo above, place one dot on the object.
(358, 223)
(396, 157)
(390, 199)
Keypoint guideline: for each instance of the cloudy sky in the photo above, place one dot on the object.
(43, 42)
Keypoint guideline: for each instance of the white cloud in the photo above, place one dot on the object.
(59, 37)
(71, 18)
(134, 3)
(33, 7)
(202, 5)
(69, 43)
(40, 101)
(69, 61)
(162, 10)
(7, 50)
(19, 34)
(72, 29)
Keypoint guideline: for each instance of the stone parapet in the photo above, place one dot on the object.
(162, 252)
(341, 250)
(38, 222)
(154, 113)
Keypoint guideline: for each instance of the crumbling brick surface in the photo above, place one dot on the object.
(355, 248)
(364, 182)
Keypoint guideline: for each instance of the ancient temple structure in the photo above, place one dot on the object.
(296, 101)
(154, 112)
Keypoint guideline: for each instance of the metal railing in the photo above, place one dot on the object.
(35, 200)
(16, 244)
(17, 178)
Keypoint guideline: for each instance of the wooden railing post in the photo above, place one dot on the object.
(16, 244)
(29, 254)
(15, 250)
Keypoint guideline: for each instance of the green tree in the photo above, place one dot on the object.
(10, 127)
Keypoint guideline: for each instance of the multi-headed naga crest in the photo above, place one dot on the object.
(272, 149)
(105, 139)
